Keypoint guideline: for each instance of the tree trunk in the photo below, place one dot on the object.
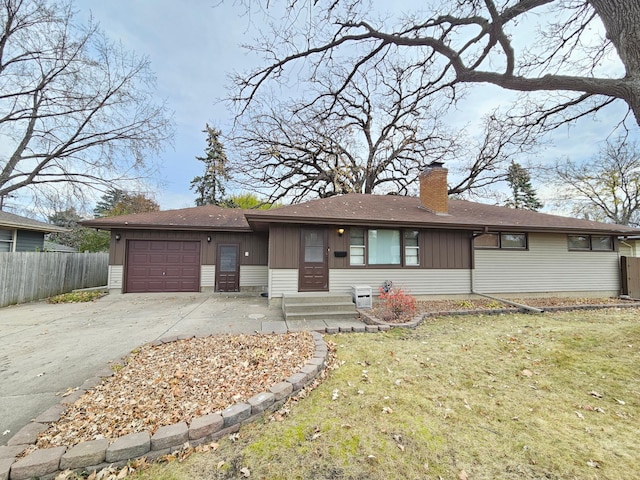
(621, 19)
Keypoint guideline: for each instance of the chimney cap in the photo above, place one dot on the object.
(436, 164)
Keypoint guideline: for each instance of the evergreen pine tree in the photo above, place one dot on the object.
(524, 195)
(209, 187)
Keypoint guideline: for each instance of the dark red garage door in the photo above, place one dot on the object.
(162, 266)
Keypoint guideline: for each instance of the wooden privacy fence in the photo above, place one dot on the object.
(28, 276)
(630, 276)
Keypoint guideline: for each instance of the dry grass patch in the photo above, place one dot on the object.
(482, 397)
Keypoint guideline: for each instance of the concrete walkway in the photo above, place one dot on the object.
(46, 349)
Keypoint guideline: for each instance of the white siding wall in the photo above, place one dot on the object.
(254, 275)
(282, 281)
(415, 281)
(116, 275)
(207, 276)
(548, 266)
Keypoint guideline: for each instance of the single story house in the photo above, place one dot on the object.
(430, 245)
(22, 234)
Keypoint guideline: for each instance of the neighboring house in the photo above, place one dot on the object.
(56, 247)
(431, 245)
(21, 234)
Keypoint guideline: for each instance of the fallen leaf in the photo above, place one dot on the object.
(401, 447)
(579, 414)
(526, 373)
(621, 402)
(246, 473)
(387, 410)
(593, 464)
(593, 393)
(463, 475)
(220, 464)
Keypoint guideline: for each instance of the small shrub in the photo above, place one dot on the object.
(76, 297)
(396, 306)
(466, 304)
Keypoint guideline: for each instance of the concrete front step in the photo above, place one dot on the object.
(347, 307)
(326, 315)
(318, 306)
(316, 297)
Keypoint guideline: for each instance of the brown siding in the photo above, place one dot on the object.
(284, 246)
(255, 244)
(444, 249)
(338, 243)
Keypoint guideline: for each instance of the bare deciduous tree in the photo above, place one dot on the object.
(583, 53)
(605, 188)
(374, 136)
(75, 108)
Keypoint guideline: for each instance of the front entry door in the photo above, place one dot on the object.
(314, 268)
(228, 269)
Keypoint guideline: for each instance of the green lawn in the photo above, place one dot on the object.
(478, 397)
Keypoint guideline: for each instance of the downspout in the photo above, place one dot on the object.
(473, 291)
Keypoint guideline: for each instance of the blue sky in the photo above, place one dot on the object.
(194, 45)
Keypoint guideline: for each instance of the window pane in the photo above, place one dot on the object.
(411, 238)
(411, 256)
(5, 246)
(411, 248)
(384, 247)
(602, 243)
(356, 256)
(488, 240)
(6, 235)
(357, 236)
(314, 246)
(578, 242)
(513, 240)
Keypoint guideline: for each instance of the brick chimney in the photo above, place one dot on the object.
(433, 189)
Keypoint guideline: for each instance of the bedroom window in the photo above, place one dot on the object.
(383, 247)
(598, 243)
(504, 240)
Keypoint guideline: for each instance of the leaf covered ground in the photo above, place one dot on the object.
(177, 381)
(515, 396)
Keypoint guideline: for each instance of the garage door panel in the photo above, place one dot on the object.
(163, 266)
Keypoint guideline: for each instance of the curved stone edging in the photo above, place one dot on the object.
(94, 455)
(371, 320)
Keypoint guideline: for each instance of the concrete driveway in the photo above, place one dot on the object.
(46, 349)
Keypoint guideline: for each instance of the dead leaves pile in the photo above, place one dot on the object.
(177, 381)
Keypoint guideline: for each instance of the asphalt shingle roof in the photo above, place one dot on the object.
(361, 209)
(194, 218)
(12, 220)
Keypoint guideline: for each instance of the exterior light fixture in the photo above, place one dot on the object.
(208, 238)
(341, 231)
(118, 237)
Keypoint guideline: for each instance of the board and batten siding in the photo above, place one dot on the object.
(413, 281)
(547, 266)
